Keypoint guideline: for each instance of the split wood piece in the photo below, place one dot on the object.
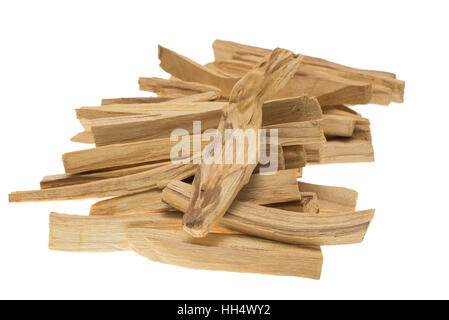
(308, 204)
(77, 233)
(185, 69)
(294, 156)
(347, 150)
(60, 180)
(328, 91)
(116, 155)
(226, 252)
(281, 225)
(227, 50)
(338, 126)
(217, 185)
(83, 137)
(331, 199)
(100, 234)
(294, 160)
(135, 100)
(129, 184)
(168, 108)
(140, 127)
(261, 189)
(326, 81)
(174, 88)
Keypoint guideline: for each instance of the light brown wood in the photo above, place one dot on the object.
(60, 180)
(331, 199)
(237, 253)
(174, 88)
(78, 233)
(383, 82)
(217, 185)
(128, 184)
(281, 225)
(140, 127)
(116, 155)
(134, 100)
(261, 189)
(185, 69)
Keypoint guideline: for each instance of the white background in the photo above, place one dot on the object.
(59, 55)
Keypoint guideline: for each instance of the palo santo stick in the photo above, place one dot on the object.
(281, 225)
(60, 180)
(330, 91)
(335, 125)
(217, 185)
(237, 253)
(101, 234)
(138, 128)
(116, 155)
(174, 88)
(227, 50)
(331, 199)
(133, 183)
(135, 100)
(261, 189)
(168, 108)
(188, 70)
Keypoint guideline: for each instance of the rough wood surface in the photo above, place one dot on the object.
(281, 225)
(261, 189)
(237, 253)
(217, 185)
(174, 88)
(384, 84)
(133, 183)
(134, 100)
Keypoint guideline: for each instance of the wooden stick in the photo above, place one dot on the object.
(261, 189)
(237, 253)
(188, 70)
(116, 155)
(60, 180)
(331, 199)
(174, 88)
(281, 225)
(133, 183)
(227, 50)
(135, 100)
(77, 233)
(217, 185)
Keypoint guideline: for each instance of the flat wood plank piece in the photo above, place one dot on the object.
(236, 253)
(281, 225)
(217, 185)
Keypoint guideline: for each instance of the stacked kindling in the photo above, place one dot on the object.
(232, 217)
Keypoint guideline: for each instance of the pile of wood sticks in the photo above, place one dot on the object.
(232, 217)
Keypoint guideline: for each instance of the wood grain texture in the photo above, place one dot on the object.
(174, 88)
(261, 189)
(226, 252)
(217, 185)
(281, 225)
(129, 184)
(384, 84)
